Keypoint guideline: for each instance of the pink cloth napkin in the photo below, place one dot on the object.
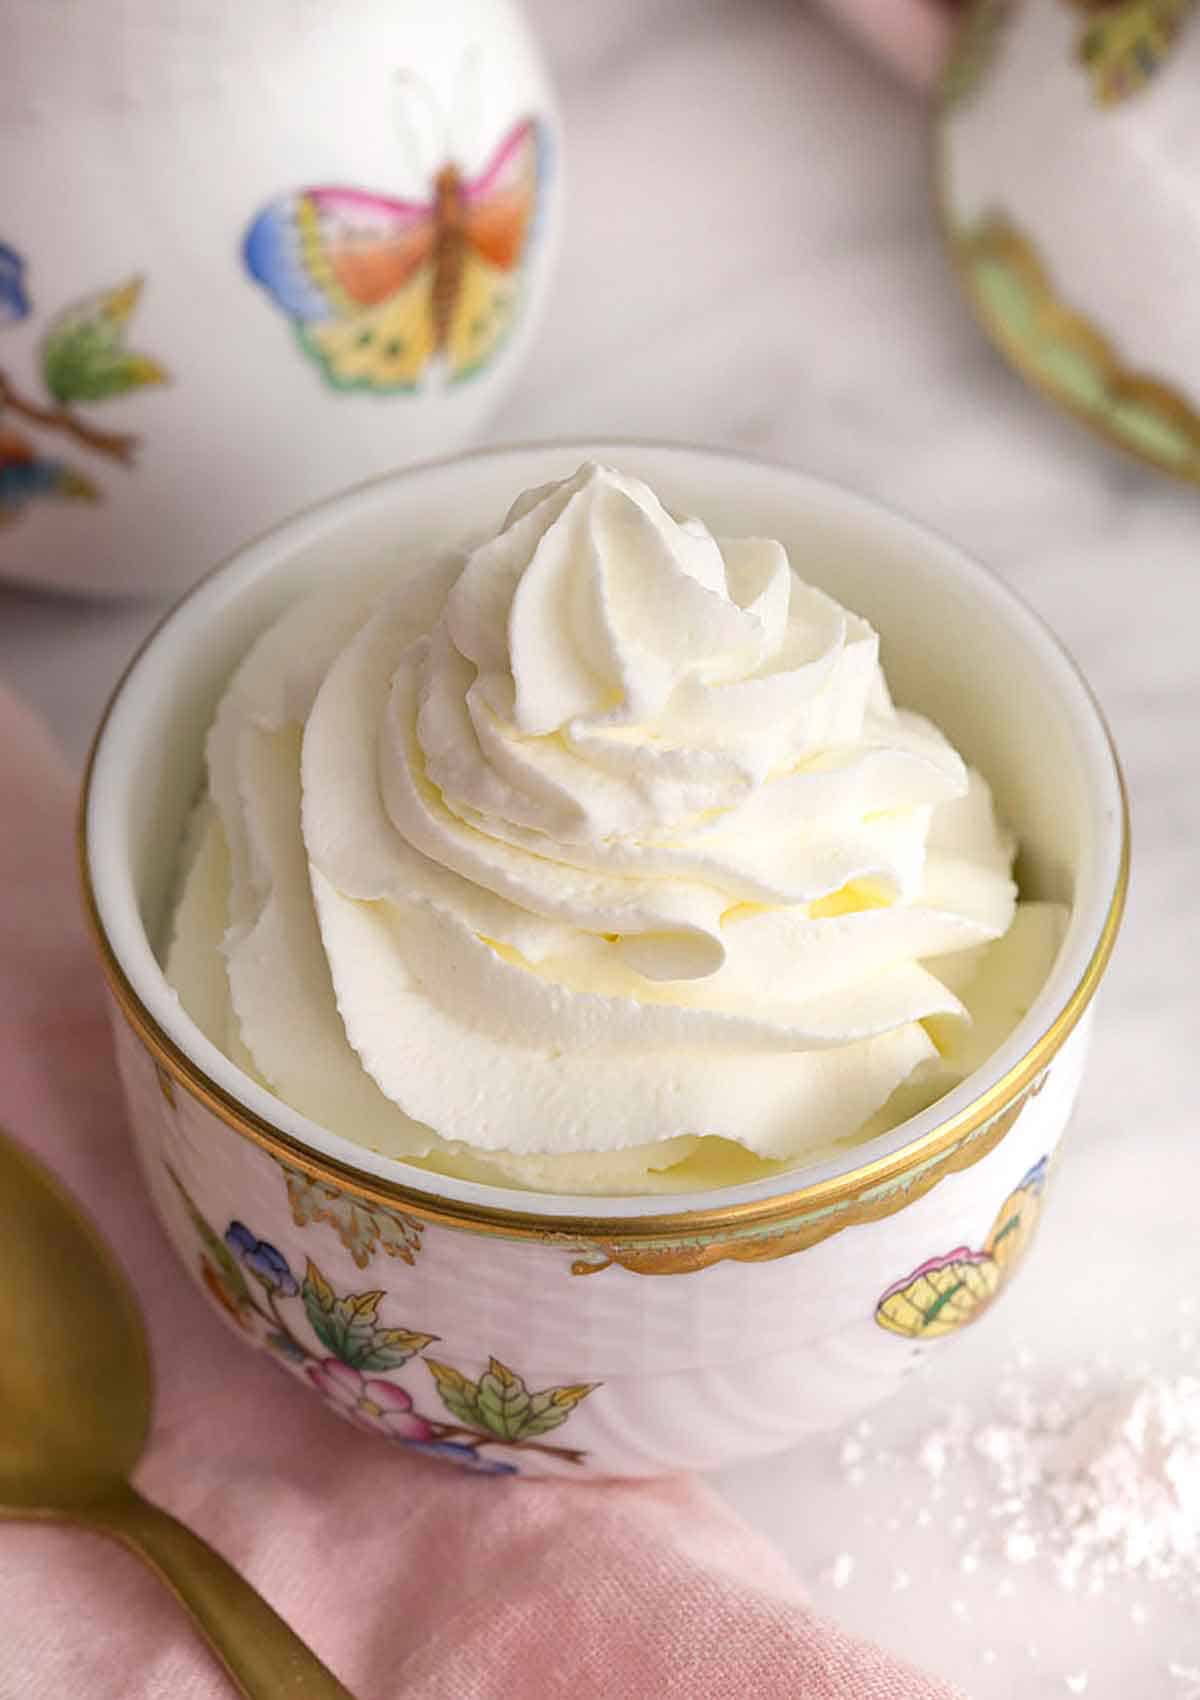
(407, 1578)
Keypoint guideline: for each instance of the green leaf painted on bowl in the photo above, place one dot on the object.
(504, 1402)
(554, 1406)
(84, 357)
(501, 1403)
(349, 1327)
(457, 1392)
(1126, 44)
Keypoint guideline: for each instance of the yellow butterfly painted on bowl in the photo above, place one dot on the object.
(383, 293)
(948, 1292)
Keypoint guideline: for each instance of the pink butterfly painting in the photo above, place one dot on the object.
(384, 292)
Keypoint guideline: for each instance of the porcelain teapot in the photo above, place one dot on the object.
(1069, 184)
(250, 255)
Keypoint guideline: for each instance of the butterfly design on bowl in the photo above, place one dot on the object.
(387, 295)
(946, 1293)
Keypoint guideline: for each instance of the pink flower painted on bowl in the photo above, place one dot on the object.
(497, 1408)
(376, 1405)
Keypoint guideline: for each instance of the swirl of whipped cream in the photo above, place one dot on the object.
(567, 856)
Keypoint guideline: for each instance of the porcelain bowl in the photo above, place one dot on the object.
(1067, 141)
(620, 1336)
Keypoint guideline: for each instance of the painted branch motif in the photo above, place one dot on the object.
(85, 358)
(254, 1284)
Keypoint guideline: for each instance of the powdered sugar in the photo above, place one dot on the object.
(1125, 1479)
(1088, 1482)
(1106, 1486)
(841, 1570)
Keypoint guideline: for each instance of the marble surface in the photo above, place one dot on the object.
(751, 262)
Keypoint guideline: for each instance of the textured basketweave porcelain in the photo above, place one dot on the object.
(516, 1331)
(1067, 142)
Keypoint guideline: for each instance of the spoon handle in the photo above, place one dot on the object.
(265, 1658)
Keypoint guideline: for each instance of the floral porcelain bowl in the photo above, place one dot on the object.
(249, 253)
(625, 1336)
(1067, 142)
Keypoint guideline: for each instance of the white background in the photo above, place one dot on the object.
(751, 262)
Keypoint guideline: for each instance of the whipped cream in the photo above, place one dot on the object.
(595, 859)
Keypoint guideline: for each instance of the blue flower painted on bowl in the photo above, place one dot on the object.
(287, 1348)
(14, 297)
(495, 1409)
(262, 1258)
(466, 1457)
(26, 474)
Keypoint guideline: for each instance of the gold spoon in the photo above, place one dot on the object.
(75, 1397)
